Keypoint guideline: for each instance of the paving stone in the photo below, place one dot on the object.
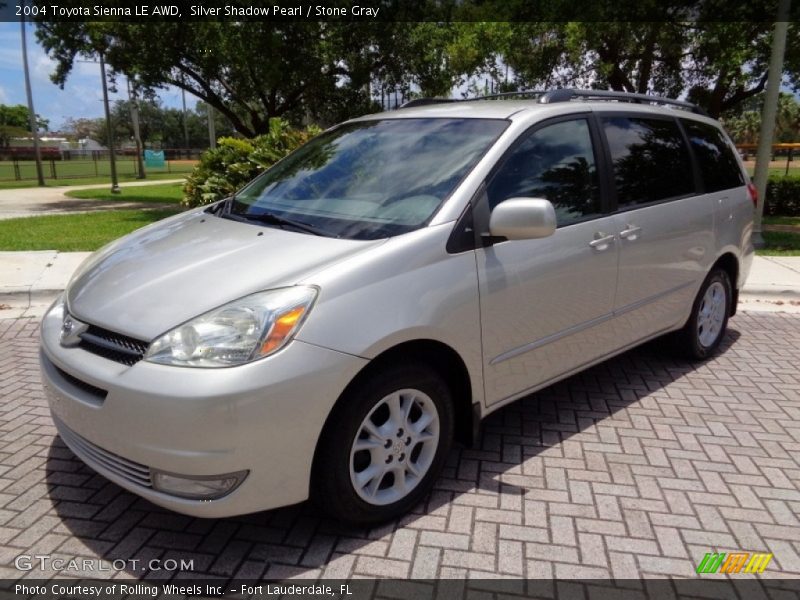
(638, 466)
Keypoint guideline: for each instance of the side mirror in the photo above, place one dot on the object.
(523, 219)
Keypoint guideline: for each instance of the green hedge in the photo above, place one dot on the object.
(234, 162)
(783, 196)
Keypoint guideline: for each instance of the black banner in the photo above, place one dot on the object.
(746, 588)
(392, 10)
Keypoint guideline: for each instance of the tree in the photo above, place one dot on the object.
(744, 128)
(163, 127)
(17, 115)
(83, 128)
(717, 57)
(302, 71)
(252, 71)
(729, 63)
(222, 127)
(787, 126)
(10, 132)
(744, 124)
(248, 71)
(15, 123)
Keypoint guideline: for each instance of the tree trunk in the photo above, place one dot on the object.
(646, 63)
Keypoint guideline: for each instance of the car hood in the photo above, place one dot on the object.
(167, 273)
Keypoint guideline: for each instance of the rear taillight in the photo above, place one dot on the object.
(751, 189)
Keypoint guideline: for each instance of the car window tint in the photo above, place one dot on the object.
(557, 163)
(718, 164)
(650, 158)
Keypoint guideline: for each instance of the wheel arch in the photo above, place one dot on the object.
(446, 361)
(730, 264)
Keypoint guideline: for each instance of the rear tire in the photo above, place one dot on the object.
(703, 332)
(384, 444)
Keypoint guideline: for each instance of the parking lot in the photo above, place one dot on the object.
(635, 468)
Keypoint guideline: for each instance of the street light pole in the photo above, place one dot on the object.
(185, 125)
(32, 114)
(109, 130)
(768, 115)
(137, 137)
(212, 133)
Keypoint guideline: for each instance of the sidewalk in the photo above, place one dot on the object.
(30, 281)
(773, 285)
(35, 201)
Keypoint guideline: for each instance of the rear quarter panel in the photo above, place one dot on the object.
(733, 229)
(733, 215)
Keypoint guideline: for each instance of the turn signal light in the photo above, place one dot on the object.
(282, 328)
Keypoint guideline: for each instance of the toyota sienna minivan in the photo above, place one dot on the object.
(330, 329)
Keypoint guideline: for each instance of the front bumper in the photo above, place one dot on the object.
(264, 417)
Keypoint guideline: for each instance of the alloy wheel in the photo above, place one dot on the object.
(395, 447)
(711, 314)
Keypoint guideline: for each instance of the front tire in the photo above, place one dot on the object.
(384, 445)
(706, 326)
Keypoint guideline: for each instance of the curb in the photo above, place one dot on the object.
(777, 292)
(26, 303)
(29, 297)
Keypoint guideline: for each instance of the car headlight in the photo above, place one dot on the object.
(239, 332)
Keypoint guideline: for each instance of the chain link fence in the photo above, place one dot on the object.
(16, 165)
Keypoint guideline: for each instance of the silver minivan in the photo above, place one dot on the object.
(329, 330)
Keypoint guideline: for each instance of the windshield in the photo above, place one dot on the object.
(368, 180)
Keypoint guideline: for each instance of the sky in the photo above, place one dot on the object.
(82, 95)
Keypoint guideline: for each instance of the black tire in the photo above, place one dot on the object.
(688, 340)
(331, 486)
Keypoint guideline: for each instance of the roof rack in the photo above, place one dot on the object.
(565, 95)
(426, 101)
(507, 95)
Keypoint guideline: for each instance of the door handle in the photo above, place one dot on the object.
(602, 241)
(631, 232)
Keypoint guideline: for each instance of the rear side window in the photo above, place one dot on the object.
(651, 161)
(557, 163)
(717, 162)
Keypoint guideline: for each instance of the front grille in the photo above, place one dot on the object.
(90, 389)
(100, 459)
(113, 346)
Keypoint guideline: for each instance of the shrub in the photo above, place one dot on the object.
(783, 196)
(234, 162)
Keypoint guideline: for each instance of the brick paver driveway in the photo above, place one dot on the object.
(637, 467)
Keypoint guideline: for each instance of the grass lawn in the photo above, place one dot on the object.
(781, 221)
(74, 233)
(166, 192)
(780, 243)
(781, 171)
(27, 183)
(776, 168)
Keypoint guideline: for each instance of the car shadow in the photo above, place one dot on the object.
(127, 532)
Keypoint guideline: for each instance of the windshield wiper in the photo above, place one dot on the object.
(273, 219)
(222, 206)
